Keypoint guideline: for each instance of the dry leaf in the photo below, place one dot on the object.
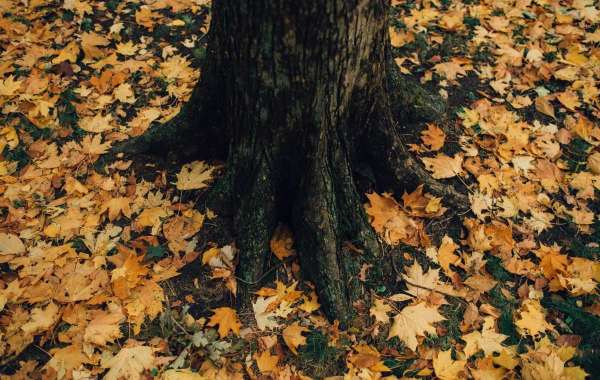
(194, 176)
(443, 166)
(413, 321)
(227, 320)
(292, 336)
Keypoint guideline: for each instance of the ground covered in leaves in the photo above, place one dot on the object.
(112, 266)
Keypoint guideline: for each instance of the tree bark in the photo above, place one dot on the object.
(299, 84)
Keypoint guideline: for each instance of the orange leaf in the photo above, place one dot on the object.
(227, 320)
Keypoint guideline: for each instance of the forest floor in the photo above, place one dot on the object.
(113, 266)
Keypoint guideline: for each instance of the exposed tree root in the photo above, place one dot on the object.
(331, 229)
(410, 102)
(398, 169)
(254, 222)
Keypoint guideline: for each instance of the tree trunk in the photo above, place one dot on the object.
(300, 82)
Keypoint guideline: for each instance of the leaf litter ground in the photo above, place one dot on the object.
(113, 267)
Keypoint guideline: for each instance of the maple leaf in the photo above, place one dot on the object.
(10, 245)
(227, 320)
(569, 99)
(182, 374)
(266, 362)
(68, 53)
(543, 105)
(116, 207)
(130, 363)
(81, 8)
(366, 356)
(380, 311)
(144, 16)
(433, 137)
(126, 48)
(146, 301)
(446, 255)
(67, 359)
(292, 336)
(446, 368)
(10, 86)
(96, 123)
(487, 340)
(531, 319)
(389, 220)
(418, 282)
(310, 304)
(90, 43)
(282, 243)
(41, 319)
(265, 318)
(94, 146)
(413, 321)
(194, 175)
(104, 327)
(443, 166)
(453, 69)
(124, 93)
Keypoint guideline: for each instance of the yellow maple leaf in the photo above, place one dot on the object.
(569, 99)
(194, 175)
(104, 327)
(130, 363)
(433, 137)
(266, 362)
(443, 166)
(94, 145)
(96, 123)
(67, 359)
(506, 359)
(10, 86)
(292, 336)
(264, 314)
(41, 319)
(124, 93)
(413, 321)
(446, 368)
(543, 105)
(531, 319)
(418, 282)
(446, 255)
(182, 374)
(68, 53)
(380, 311)
(389, 220)
(487, 339)
(282, 242)
(227, 320)
(117, 206)
(10, 244)
(126, 48)
(90, 43)
(366, 356)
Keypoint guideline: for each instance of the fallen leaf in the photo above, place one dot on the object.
(130, 363)
(292, 336)
(194, 176)
(227, 320)
(443, 166)
(413, 321)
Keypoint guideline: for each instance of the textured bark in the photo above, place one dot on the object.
(300, 83)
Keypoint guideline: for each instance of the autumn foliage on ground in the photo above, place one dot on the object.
(109, 268)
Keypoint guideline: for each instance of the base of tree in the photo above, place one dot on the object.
(331, 230)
